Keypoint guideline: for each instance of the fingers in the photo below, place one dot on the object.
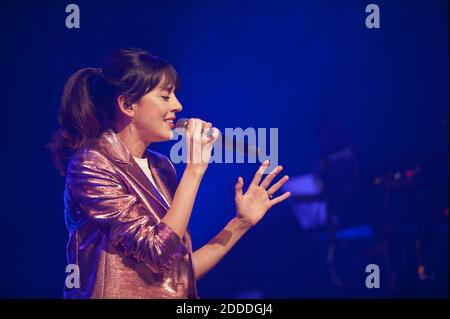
(194, 127)
(198, 129)
(190, 130)
(280, 198)
(238, 187)
(215, 135)
(191, 124)
(188, 134)
(277, 185)
(206, 126)
(260, 172)
(269, 178)
(196, 138)
(208, 133)
(194, 132)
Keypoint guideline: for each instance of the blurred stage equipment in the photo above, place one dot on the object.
(316, 196)
(406, 207)
(415, 198)
(415, 207)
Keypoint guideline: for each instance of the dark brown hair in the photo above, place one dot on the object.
(89, 101)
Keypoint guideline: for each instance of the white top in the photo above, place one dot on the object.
(143, 164)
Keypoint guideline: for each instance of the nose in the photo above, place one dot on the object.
(177, 107)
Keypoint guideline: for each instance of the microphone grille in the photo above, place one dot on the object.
(182, 123)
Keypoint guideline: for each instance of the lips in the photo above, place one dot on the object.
(170, 122)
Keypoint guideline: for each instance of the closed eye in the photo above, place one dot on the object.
(166, 97)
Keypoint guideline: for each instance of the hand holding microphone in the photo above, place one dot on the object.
(226, 142)
(183, 123)
(200, 137)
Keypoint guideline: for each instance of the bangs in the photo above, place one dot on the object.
(152, 71)
(170, 78)
(160, 72)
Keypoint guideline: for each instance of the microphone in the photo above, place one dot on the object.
(227, 142)
(183, 122)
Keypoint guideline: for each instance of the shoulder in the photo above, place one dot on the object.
(91, 157)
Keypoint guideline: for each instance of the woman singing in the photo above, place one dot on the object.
(125, 210)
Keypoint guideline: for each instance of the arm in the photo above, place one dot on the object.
(251, 208)
(199, 149)
(177, 217)
(93, 184)
(206, 257)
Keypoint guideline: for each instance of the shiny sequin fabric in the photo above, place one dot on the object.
(116, 237)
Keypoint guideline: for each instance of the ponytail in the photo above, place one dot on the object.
(78, 118)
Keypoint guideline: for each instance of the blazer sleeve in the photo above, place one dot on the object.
(94, 186)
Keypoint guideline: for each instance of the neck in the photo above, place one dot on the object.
(135, 145)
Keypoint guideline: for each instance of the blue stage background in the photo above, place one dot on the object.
(283, 64)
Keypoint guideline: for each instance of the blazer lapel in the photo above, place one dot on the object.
(160, 179)
(139, 176)
(110, 142)
(119, 153)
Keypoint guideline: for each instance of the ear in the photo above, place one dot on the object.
(125, 106)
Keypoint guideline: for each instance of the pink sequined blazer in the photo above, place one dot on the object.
(116, 237)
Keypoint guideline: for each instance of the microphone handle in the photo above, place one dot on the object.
(227, 142)
(238, 146)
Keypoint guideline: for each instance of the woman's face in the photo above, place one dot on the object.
(154, 116)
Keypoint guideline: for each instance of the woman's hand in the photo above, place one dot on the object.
(254, 204)
(199, 145)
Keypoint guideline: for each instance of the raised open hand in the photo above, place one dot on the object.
(252, 205)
